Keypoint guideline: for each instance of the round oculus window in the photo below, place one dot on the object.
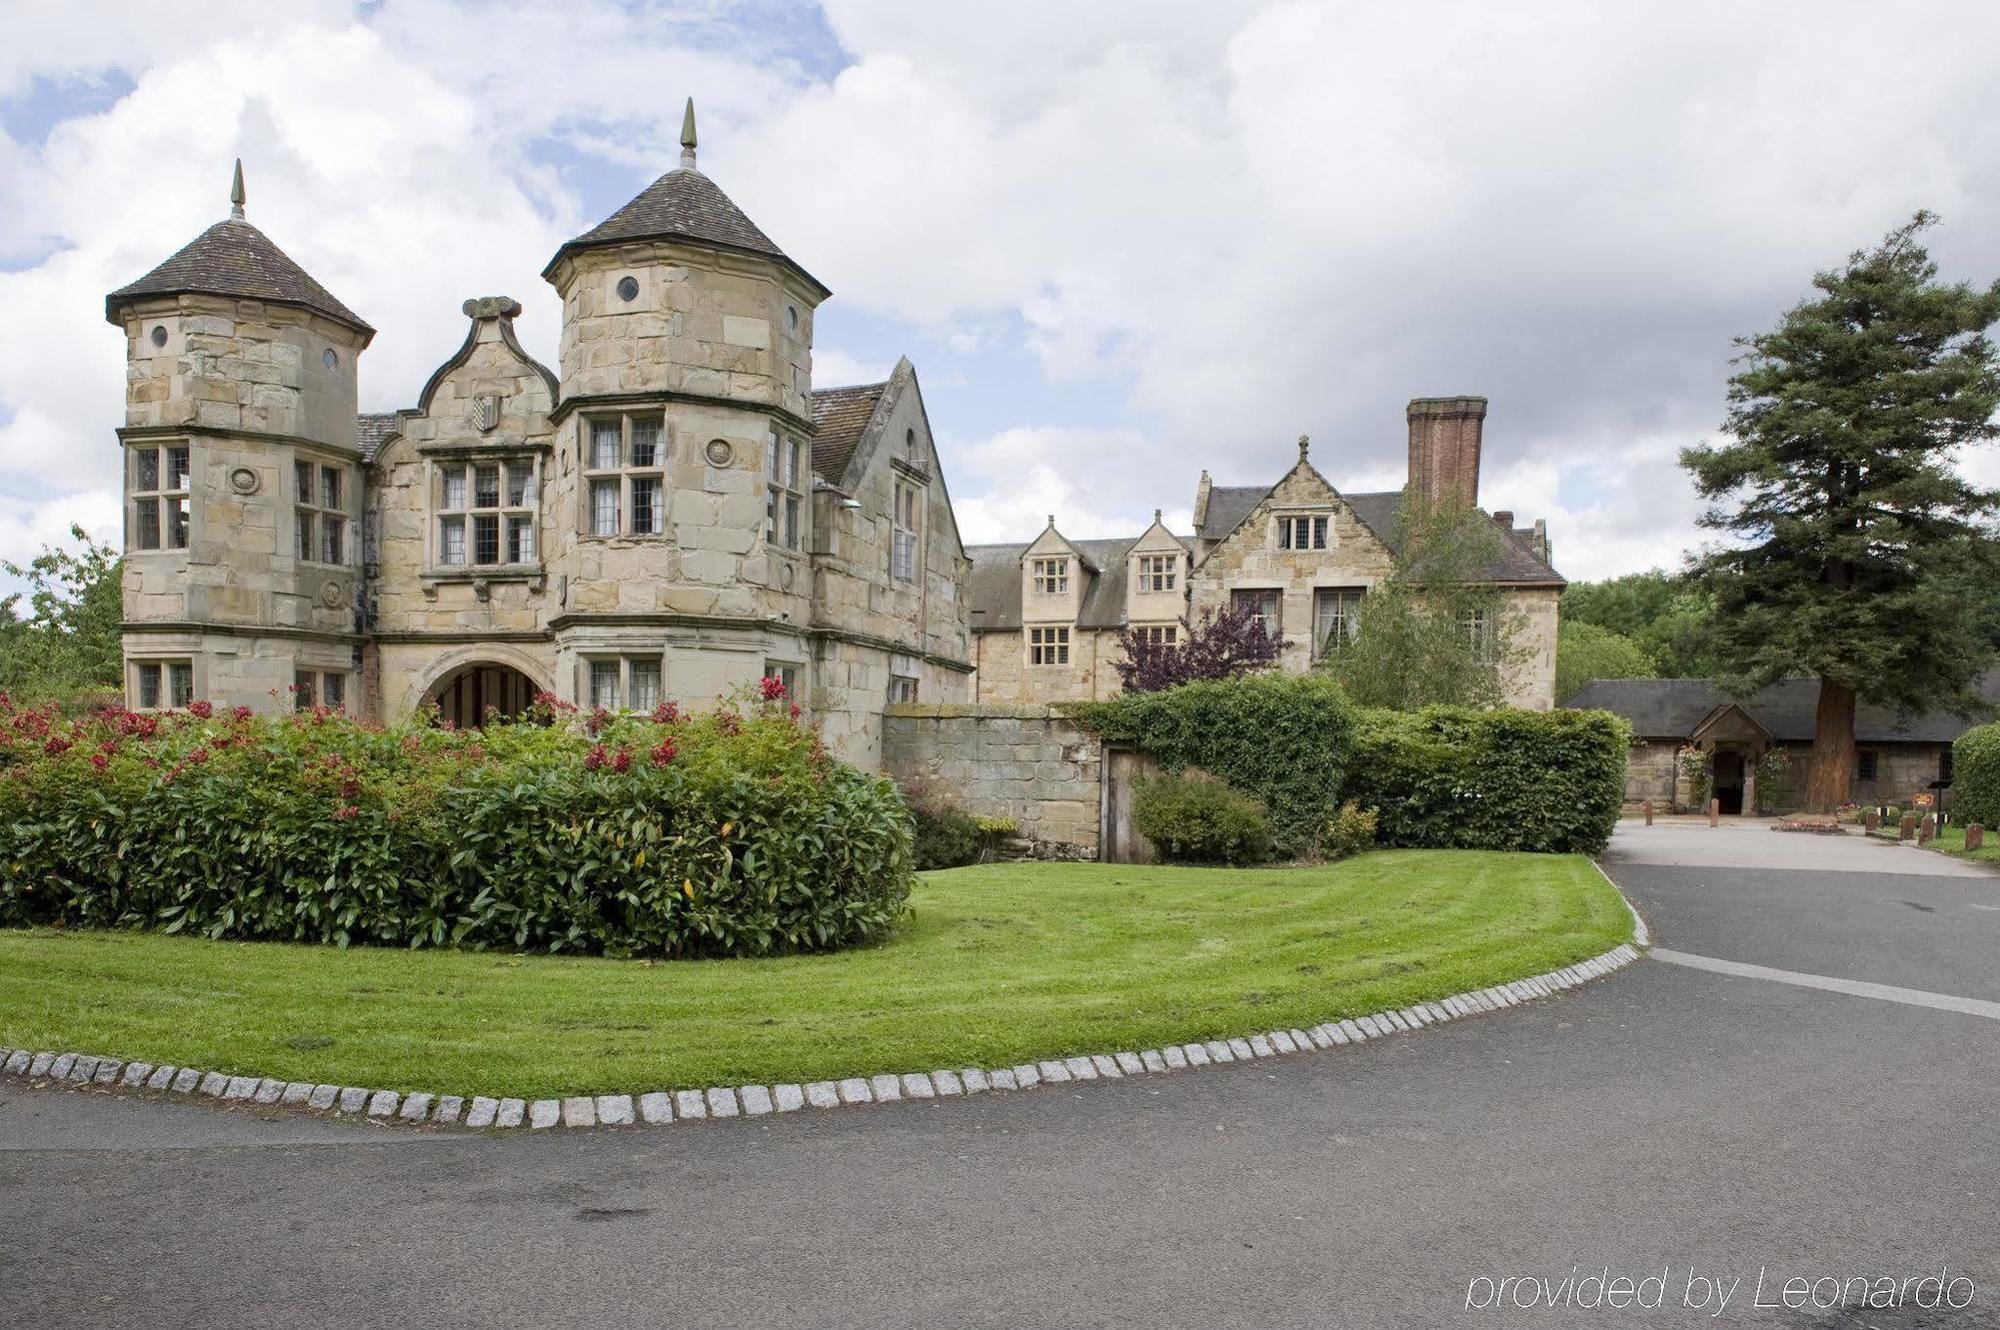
(159, 334)
(628, 289)
(329, 359)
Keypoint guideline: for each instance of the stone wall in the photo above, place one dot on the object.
(1027, 763)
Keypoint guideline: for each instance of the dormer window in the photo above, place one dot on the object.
(1304, 532)
(1052, 577)
(1158, 572)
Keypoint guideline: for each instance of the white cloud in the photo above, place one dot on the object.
(1224, 223)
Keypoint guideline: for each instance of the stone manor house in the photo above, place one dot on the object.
(673, 512)
(1300, 555)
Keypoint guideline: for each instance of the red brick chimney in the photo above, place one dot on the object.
(1444, 449)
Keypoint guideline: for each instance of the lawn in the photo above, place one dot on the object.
(1951, 840)
(997, 965)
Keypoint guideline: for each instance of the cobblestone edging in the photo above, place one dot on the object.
(658, 1107)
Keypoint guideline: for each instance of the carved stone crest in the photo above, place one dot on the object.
(485, 411)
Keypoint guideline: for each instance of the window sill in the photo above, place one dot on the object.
(481, 580)
(645, 538)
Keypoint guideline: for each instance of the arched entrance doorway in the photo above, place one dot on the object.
(465, 695)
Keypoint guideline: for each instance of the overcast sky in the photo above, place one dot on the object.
(1121, 242)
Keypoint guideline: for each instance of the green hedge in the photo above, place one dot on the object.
(1452, 778)
(1975, 777)
(1444, 778)
(1283, 738)
(719, 834)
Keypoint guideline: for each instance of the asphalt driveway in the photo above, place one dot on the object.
(1671, 1120)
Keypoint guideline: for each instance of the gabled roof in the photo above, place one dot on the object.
(1675, 708)
(994, 589)
(684, 204)
(1514, 564)
(235, 259)
(840, 416)
(1228, 505)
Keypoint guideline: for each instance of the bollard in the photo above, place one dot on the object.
(1975, 836)
(1926, 829)
(1908, 829)
(1871, 820)
(1649, 812)
(1715, 812)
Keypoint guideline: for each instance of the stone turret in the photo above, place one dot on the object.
(684, 434)
(241, 485)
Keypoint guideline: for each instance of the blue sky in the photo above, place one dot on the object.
(1121, 244)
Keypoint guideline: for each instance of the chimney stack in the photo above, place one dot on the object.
(1444, 449)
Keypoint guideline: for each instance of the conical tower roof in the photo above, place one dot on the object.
(235, 259)
(685, 205)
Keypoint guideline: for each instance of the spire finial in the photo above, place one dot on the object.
(687, 135)
(236, 194)
(1305, 442)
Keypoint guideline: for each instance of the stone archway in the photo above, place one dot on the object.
(466, 695)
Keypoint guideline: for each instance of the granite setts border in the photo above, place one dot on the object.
(660, 1107)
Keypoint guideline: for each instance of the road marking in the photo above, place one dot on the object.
(1914, 997)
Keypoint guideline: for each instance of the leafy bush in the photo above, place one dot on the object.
(1975, 776)
(1201, 821)
(720, 834)
(1450, 778)
(1218, 646)
(1349, 831)
(946, 836)
(1282, 738)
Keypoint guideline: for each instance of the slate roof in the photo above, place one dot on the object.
(840, 416)
(1516, 563)
(233, 258)
(1672, 708)
(1228, 505)
(683, 204)
(995, 586)
(376, 429)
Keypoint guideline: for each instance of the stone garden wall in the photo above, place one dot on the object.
(1028, 763)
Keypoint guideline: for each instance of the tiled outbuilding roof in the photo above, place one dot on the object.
(683, 204)
(840, 416)
(377, 428)
(1672, 708)
(233, 258)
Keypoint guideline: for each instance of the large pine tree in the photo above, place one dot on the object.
(1851, 521)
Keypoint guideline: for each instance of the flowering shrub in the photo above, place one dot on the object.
(665, 835)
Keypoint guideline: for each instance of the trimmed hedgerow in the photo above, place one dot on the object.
(1454, 778)
(1201, 821)
(1975, 777)
(669, 835)
(1283, 738)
